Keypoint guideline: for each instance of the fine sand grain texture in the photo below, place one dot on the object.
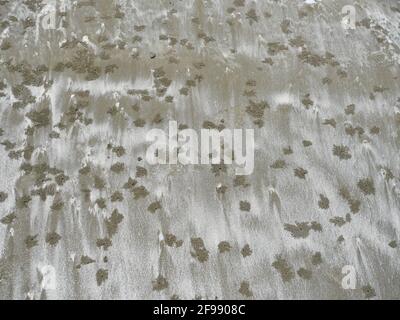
(83, 215)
